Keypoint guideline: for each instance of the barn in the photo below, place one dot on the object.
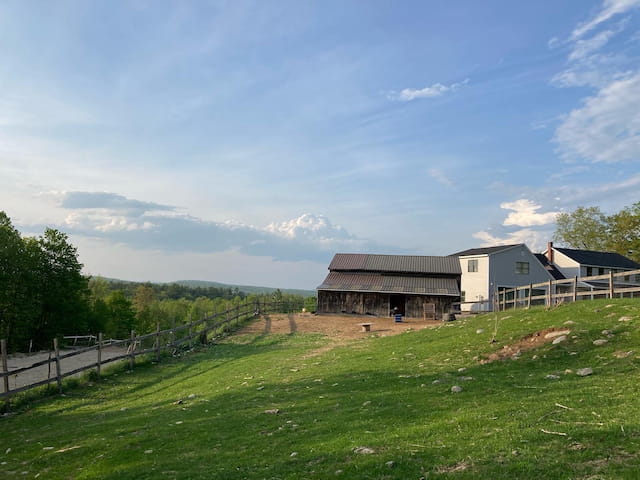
(380, 285)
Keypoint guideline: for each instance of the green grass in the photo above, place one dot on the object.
(203, 416)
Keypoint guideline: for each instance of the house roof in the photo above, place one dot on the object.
(413, 264)
(599, 259)
(484, 250)
(377, 283)
(552, 269)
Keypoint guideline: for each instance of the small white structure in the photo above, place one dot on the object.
(492, 269)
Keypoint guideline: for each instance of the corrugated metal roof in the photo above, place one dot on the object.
(484, 250)
(395, 263)
(599, 259)
(369, 282)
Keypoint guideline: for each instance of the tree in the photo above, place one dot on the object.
(588, 228)
(122, 317)
(584, 228)
(624, 232)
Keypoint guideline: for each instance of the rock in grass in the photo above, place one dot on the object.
(480, 330)
(584, 372)
(624, 319)
(390, 464)
(364, 450)
(599, 342)
(551, 376)
(560, 339)
(456, 389)
(272, 411)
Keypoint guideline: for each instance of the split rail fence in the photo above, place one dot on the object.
(555, 292)
(107, 351)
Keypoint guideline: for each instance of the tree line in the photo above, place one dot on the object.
(43, 294)
(590, 229)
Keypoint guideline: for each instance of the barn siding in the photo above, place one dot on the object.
(377, 303)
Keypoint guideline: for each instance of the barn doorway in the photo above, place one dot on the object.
(397, 304)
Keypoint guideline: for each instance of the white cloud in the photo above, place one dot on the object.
(582, 48)
(610, 8)
(438, 175)
(524, 213)
(607, 127)
(435, 90)
(536, 240)
(151, 226)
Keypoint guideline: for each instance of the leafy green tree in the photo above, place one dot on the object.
(588, 228)
(122, 317)
(584, 228)
(624, 232)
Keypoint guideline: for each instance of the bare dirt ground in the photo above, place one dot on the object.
(49, 370)
(529, 342)
(340, 329)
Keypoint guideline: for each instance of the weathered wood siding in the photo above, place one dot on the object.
(377, 303)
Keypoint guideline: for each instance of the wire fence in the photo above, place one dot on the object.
(57, 364)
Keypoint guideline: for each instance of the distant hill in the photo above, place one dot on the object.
(249, 289)
(244, 288)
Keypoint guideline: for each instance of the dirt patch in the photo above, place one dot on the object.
(340, 329)
(342, 326)
(529, 342)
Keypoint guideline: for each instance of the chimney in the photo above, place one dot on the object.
(550, 252)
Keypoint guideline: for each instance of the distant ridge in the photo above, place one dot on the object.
(244, 288)
(248, 289)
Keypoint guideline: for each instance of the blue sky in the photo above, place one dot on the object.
(247, 142)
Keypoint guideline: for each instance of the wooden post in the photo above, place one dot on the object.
(549, 295)
(132, 347)
(575, 289)
(99, 365)
(611, 284)
(158, 342)
(5, 369)
(529, 297)
(56, 349)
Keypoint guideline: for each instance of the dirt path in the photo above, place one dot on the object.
(49, 370)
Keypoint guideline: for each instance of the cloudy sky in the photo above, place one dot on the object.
(247, 142)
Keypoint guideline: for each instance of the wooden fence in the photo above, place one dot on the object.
(554, 292)
(128, 349)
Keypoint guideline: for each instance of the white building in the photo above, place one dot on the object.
(491, 269)
(587, 263)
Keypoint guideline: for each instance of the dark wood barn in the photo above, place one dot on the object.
(383, 284)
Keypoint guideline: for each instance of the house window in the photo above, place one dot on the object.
(462, 296)
(472, 266)
(589, 271)
(601, 271)
(522, 268)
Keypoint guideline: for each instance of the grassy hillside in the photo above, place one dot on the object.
(287, 407)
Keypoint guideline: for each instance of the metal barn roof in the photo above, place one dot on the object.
(376, 283)
(362, 262)
(484, 250)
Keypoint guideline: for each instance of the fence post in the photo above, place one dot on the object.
(5, 369)
(56, 349)
(98, 366)
(611, 284)
(549, 296)
(158, 342)
(529, 297)
(575, 289)
(132, 347)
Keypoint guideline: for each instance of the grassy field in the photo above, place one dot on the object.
(283, 407)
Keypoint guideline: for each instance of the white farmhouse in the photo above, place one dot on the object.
(491, 269)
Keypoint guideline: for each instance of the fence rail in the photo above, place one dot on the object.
(112, 350)
(610, 285)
